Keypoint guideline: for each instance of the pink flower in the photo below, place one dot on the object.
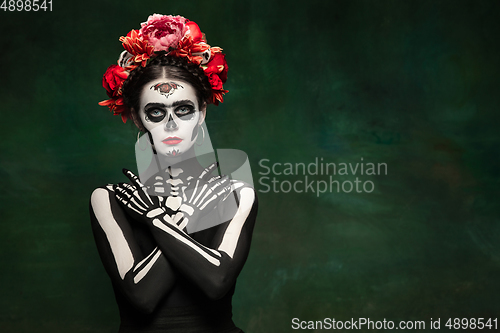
(164, 31)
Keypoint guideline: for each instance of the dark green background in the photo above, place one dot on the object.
(413, 84)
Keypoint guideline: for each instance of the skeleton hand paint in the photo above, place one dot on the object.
(137, 202)
(144, 274)
(202, 194)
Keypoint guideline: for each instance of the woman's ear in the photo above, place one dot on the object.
(136, 120)
(203, 114)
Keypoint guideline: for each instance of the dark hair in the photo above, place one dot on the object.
(161, 67)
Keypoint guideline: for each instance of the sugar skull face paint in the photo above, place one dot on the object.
(169, 110)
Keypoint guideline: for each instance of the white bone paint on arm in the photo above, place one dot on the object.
(231, 235)
(233, 231)
(214, 265)
(202, 250)
(120, 248)
(131, 268)
(149, 264)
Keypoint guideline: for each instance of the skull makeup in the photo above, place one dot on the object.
(169, 110)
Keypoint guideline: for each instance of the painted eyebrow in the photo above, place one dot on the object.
(174, 104)
(155, 105)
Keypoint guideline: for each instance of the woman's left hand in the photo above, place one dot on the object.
(201, 195)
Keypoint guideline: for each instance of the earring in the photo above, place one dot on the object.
(203, 134)
(151, 142)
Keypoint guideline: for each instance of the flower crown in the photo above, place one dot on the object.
(164, 34)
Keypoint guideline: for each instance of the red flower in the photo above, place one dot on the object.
(218, 65)
(216, 71)
(195, 32)
(215, 81)
(137, 46)
(113, 79)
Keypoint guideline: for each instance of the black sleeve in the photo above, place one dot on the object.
(144, 277)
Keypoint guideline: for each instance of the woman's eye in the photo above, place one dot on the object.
(155, 115)
(185, 112)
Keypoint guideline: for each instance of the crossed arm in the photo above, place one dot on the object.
(147, 277)
(213, 268)
(143, 276)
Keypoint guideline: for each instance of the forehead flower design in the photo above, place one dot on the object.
(166, 88)
(164, 34)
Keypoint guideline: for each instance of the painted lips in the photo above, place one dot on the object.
(173, 140)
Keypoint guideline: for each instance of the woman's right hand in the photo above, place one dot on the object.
(136, 200)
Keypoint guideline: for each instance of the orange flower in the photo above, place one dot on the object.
(187, 47)
(116, 106)
(217, 96)
(199, 47)
(137, 46)
(215, 49)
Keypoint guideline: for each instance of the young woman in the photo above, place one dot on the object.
(174, 239)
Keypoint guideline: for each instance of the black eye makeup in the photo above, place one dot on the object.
(155, 114)
(185, 112)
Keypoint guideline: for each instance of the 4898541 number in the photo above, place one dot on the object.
(26, 5)
(471, 323)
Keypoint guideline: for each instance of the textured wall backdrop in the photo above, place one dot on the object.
(413, 84)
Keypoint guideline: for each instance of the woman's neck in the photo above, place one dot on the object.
(185, 163)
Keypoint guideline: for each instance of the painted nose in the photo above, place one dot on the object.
(171, 125)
